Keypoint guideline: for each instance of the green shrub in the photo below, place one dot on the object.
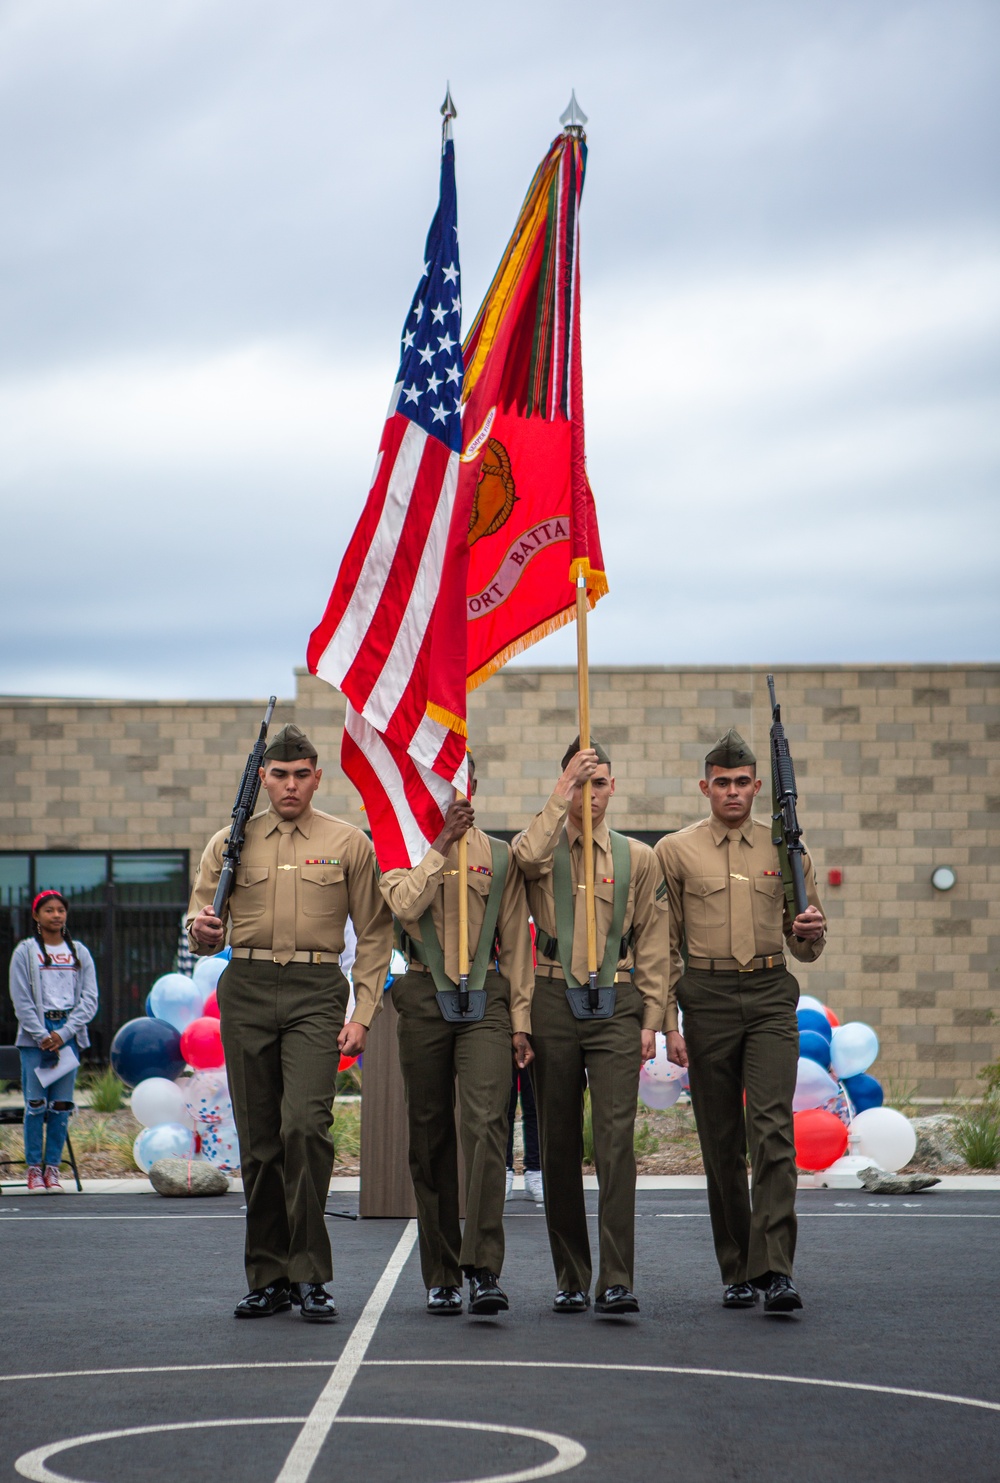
(977, 1136)
(345, 1131)
(107, 1092)
(644, 1140)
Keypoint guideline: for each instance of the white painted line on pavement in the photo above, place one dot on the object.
(546, 1364)
(300, 1461)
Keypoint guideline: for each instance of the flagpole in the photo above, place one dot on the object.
(463, 920)
(583, 691)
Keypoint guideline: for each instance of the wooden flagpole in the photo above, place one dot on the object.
(463, 920)
(583, 691)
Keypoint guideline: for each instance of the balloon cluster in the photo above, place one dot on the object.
(836, 1101)
(182, 1116)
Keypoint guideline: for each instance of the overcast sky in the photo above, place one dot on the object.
(213, 219)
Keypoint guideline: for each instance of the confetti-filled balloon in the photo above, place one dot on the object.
(165, 1141)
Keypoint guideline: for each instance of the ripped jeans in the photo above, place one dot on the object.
(46, 1109)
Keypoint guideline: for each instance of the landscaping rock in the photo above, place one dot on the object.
(936, 1140)
(878, 1182)
(187, 1177)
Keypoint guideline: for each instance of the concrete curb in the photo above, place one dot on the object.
(351, 1184)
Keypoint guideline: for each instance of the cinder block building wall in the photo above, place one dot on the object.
(898, 768)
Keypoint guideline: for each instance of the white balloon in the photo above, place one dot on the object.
(207, 972)
(814, 1087)
(658, 1095)
(165, 1141)
(659, 1068)
(853, 1048)
(157, 1100)
(885, 1136)
(806, 1001)
(176, 999)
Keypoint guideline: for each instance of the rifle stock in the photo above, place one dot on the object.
(787, 833)
(246, 802)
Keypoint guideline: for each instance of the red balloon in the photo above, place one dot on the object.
(820, 1138)
(212, 1010)
(346, 1062)
(831, 1017)
(201, 1044)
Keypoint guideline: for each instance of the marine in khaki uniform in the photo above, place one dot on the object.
(434, 1050)
(283, 1000)
(728, 906)
(604, 1053)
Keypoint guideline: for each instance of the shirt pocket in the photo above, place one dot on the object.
(706, 902)
(323, 889)
(249, 891)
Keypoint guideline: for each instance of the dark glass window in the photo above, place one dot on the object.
(79, 877)
(15, 879)
(149, 878)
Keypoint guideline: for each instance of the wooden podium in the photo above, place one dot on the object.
(386, 1190)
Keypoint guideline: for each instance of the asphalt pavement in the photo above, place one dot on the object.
(117, 1319)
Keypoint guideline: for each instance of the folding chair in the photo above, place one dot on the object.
(10, 1071)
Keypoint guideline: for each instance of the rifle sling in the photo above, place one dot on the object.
(562, 887)
(428, 949)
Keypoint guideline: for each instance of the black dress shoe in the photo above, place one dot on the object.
(781, 1296)
(485, 1293)
(739, 1295)
(570, 1302)
(444, 1300)
(261, 1302)
(315, 1302)
(615, 1300)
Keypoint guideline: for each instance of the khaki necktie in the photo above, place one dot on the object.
(283, 934)
(740, 905)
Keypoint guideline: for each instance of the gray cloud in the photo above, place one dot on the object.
(213, 218)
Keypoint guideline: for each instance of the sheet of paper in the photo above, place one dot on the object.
(68, 1061)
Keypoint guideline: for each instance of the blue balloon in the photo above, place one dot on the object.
(146, 1048)
(164, 1141)
(148, 1009)
(815, 1047)
(816, 1023)
(864, 1091)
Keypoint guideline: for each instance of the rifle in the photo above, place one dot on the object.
(246, 802)
(787, 834)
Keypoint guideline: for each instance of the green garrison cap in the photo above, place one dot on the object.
(290, 744)
(574, 747)
(729, 751)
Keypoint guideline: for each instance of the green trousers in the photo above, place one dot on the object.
(279, 1031)
(432, 1053)
(604, 1055)
(742, 1036)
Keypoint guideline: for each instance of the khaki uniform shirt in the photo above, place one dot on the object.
(335, 877)
(434, 883)
(695, 863)
(647, 916)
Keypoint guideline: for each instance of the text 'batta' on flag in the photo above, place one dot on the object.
(393, 637)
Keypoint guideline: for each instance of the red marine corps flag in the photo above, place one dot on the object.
(532, 523)
(393, 634)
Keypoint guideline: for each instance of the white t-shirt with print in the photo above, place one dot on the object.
(57, 979)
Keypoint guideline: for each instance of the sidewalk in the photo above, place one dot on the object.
(350, 1184)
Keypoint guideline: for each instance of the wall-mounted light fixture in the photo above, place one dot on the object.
(943, 878)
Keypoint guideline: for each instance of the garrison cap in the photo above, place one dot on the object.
(729, 751)
(574, 747)
(290, 744)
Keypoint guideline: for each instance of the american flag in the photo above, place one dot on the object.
(393, 634)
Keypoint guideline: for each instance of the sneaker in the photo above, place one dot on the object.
(35, 1180)
(51, 1177)
(533, 1185)
(510, 1184)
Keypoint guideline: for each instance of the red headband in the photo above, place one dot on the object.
(44, 896)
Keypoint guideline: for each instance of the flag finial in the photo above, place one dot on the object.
(448, 109)
(574, 117)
